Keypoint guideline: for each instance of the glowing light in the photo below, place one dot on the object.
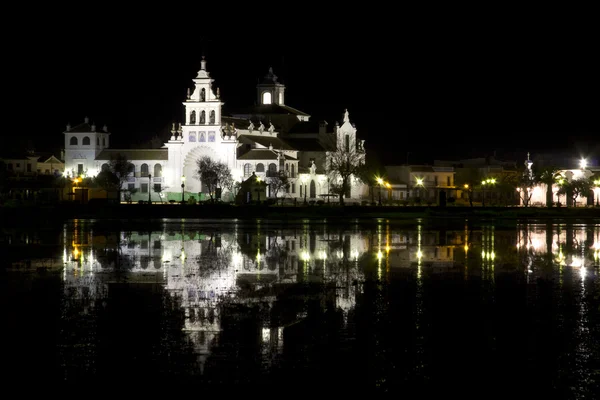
(305, 255)
(379, 255)
(492, 255)
(340, 254)
(75, 253)
(420, 181)
(323, 255)
(387, 249)
(577, 262)
(596, 246)
(466, 185)
(483, 254)
(583, 272)
(266, 335)
(419, 254)
(583, 163)
(355, 254)
(466, 248)
(379, 180)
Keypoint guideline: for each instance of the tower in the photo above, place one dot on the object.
(82, 144)
(270, 91)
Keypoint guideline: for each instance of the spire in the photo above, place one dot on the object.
(346, 117)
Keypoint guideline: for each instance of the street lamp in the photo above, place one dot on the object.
(149, 189)
(489, 181)
(380, 182)
(182, 188)
(583, 163)
(420, 184)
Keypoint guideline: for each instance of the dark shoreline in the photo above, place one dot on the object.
(348, 214)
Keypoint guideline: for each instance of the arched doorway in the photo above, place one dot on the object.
(313, 189)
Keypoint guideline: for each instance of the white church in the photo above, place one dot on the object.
(263, 140)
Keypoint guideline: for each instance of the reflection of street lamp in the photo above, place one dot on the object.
(149, 190)
(182, 188)
(380, 182)
(597, 183)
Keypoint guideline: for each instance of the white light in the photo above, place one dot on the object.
(305, 255)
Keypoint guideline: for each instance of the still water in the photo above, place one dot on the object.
(472, 310)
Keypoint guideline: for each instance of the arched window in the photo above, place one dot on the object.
(293, 171)
(98, 141)
(73, 141)
(203, 95)
(260, 167)
(144, 170)
(105, 167)
(203, 117)
(247, 169)
(272, 169)
(192, 137)
(193, 118)
(157, 170)
(212, 117)
(266, 97)
(86, 141)
(347, 144)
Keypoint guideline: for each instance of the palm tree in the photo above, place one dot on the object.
(549, 176)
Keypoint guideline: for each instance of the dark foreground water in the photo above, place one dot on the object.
(413, 309)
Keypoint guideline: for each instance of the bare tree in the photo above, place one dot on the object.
(214, 174)
(278, 182)
(343, 164)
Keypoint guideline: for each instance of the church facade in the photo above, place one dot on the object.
(262, 141)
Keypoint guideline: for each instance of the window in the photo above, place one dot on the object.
(347, 143)
(212, 117)
(144, 170)
(448, 181)
(260, 167)
(272, 168)
(105, 167)
(131, 186)
(266, 98)
(157, 170)
(203, 94)
(193, 117)
(300, 190)
(98, 141)
(280, 97)
(294, 187)
(293, 171)
(79, 169)
(73, 141)
(157, 187)
(247, 169)
(192, 136)
(86, 141)
(144, 188)
(203, 117)
(211, 136)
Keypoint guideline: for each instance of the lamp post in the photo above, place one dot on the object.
(489, 181)
(182, 189)
(380, 182)
(149, 189)
(420, 185)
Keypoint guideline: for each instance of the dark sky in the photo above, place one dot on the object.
(437, 86)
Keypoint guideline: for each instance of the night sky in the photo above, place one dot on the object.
(429, 85)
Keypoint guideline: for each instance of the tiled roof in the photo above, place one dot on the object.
(135, 154)
(266, 141)
(267, 109)
(311, 144)
(258, 154)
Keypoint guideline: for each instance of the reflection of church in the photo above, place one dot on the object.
(208, 270)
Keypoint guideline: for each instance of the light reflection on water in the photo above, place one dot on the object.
(389, 307)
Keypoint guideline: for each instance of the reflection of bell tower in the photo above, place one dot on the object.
(270, 91)
(528, 164)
